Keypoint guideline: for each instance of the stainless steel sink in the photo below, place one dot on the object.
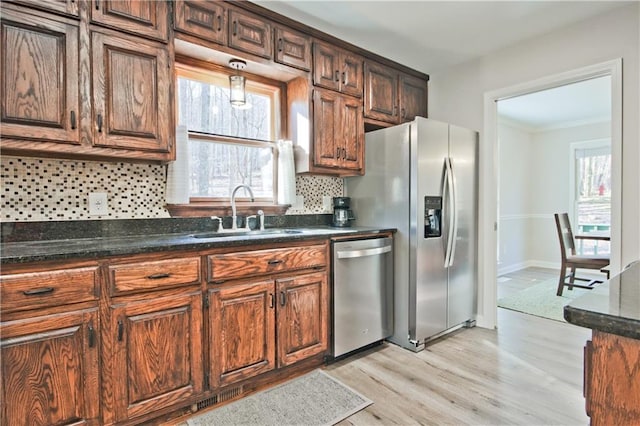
(241, 233)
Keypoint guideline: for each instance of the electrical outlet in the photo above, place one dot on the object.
(327, 203)
(98, 204)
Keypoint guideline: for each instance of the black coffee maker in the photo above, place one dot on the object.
(342, 215)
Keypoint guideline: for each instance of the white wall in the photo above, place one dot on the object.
(515, 175)
(534, 183)
(456, 94)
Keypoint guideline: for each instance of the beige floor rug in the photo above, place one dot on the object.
(541, 300)
(313, 399)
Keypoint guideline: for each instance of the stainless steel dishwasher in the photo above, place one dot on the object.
(362, 293)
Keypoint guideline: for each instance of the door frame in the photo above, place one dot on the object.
(488, 182)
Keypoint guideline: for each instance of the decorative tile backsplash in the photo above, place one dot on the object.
(36, 189)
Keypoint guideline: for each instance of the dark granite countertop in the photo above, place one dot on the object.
(612, 307)
(103, 246)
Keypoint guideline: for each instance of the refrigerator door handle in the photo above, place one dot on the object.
(451, 210)
(454, 229)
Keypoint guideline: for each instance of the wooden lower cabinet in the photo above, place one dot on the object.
(302, 317)
(259, 325)
(152, 354)
(242, 341)
(50, 369)
(612, 379)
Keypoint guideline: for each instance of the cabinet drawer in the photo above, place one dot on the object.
(154, 275)
(50, 288)
(258, 262)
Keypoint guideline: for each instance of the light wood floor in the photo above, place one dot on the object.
(527, 372)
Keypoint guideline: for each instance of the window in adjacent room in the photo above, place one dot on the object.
(228, 145)
(591, 190)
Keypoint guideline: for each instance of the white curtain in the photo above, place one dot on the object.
(286, 173)
(178, 171)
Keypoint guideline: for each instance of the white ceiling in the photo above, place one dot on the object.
(574, 104)
(433, 35)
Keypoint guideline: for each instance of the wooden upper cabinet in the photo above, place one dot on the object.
(132, 82)
(337, 69)
(292, 48)
(153, 354)
(338, 132)
(302, 317)
(201, 18)
(393, 96)
(145, 18)
(50, 370)
(39, 77)
(68, 7)
(381, 92)
(250, 33)
(413, 97)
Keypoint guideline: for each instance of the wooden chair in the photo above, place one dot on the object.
(571, 260)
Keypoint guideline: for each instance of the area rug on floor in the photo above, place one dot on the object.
(313, 399)
(541, 300)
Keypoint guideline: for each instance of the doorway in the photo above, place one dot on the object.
(489, 198)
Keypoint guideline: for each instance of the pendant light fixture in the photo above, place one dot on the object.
(237, 82)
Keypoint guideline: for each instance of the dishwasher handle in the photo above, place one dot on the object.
(362, 253)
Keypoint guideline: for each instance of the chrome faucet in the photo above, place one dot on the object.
(234, 225)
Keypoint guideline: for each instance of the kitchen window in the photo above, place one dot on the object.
(228, 145)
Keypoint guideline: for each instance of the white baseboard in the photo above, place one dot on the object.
(507, 269)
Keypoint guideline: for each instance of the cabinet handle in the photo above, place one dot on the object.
(403, 113)
(158, 276)
(120, 330)
(344, 153)
(337, 76)
(274, 261)
(337, 153)
(280, 45)
(73, 120)
(272, 301)
(235, 28)
(219, 23)
(38, 291)
(99, 119)
(395, 110)
(344, 78)
(97, 5)
(283, 298)
(92, 336)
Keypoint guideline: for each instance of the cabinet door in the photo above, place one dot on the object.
(293, 48)
(351, 74)
(50, 370)
(302, 317)
(39, 77)
(131, 101)
(242, 324)
(201, 18)
(381, 93)
(413, 98)
(154, 355)
(351, 133)
(250, 33)
(326, 64)
(148, 18)
(69, 7)
(326, 148)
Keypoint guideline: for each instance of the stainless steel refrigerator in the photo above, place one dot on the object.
(421, 178)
